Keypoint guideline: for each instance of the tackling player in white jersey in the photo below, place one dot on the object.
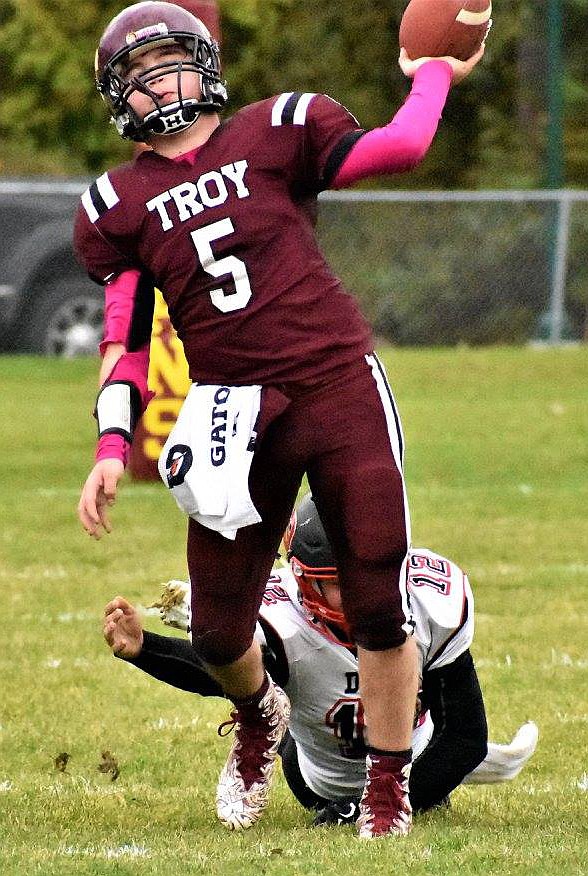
(307, 651)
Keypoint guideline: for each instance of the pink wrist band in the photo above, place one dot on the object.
(113, 447)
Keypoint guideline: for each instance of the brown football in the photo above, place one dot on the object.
(432, 28)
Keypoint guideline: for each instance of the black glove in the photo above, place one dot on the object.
(343, 811)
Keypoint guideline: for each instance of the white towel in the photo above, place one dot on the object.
(206, 459)
(504, 762)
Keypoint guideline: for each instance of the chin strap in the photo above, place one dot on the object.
(172, 119)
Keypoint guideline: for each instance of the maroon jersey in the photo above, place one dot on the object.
(228, 236)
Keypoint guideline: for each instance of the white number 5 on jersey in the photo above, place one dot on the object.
(224, 301)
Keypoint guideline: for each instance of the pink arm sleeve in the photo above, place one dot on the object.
(118, 308)
(131, 368)
(404, 141)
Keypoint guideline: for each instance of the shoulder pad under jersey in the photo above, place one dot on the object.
(277, 605)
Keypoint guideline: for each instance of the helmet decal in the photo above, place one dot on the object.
(146, 32)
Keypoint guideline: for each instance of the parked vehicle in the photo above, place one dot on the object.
(47, 303)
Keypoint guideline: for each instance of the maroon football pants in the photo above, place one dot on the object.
(346, 435)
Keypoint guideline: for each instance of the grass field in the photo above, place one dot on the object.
(497, 474)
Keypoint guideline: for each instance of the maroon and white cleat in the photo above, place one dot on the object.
(384, 807)
(242, 793)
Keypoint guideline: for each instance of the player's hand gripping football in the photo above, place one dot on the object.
(122, 628)
(461, 69)
(98, 494)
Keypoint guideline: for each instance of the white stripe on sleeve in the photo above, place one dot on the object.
(89, 206)
(107, 193)
(301, 108)
(278, 108)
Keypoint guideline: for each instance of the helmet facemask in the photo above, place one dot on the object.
(313, 565)
(330, 621)
(201, 59)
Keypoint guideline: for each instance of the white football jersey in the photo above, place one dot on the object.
(327, 721)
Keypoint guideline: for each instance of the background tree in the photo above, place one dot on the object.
(51, 120)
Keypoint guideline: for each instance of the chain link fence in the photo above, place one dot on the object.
(482, 267)
(429, 268)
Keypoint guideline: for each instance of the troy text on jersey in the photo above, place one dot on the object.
(211, 189)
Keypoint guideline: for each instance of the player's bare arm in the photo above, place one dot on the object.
(112, 354)
(99, 490)
(116, 420)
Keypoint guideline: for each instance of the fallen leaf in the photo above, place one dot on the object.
(109, 765)
(61, 761)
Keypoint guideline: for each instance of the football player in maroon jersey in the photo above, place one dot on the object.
(219, 216)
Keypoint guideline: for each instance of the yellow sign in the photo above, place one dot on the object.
(168, 379)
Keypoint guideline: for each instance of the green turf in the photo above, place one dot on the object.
(497, 454)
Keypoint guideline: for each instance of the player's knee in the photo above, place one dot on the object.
(219, 648)
(373, 632)
(386, 550)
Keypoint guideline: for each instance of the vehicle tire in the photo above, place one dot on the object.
(65, 319)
